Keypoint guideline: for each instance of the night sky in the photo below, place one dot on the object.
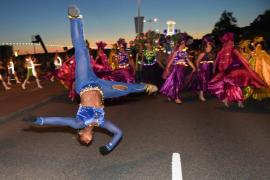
(108, 20)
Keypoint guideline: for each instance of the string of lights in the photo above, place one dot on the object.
(30, 44)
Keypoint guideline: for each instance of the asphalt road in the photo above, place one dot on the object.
(215, 143)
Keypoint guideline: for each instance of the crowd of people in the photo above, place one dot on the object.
(9, 71)
(231, 71)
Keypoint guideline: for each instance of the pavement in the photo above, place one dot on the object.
(17, 101)
(215, 142)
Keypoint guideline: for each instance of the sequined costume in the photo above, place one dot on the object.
(151, 71)
(124, 71)
(176, 81)
(205, 72)
(260, 63)
(84, 117)
(86, 80)
(233, 74)
(204, 65)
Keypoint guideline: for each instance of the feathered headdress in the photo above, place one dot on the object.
(101, 45)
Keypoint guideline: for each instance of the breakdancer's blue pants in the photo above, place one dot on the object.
(84, 77)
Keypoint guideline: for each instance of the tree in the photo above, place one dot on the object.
(262, 21)
(226, 23)
(259, 27)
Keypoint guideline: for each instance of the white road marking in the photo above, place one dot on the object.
(176, 167)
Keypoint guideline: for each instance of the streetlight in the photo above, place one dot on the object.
(150, 21)
(139, 19)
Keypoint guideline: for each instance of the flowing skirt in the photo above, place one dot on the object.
(201, 78)
(205, 74)
(261, 66)
(175, 82)
(228, 84)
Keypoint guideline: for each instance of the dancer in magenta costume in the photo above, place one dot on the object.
(175, 83)
(233, 74)
(66, 75)
(101, 65)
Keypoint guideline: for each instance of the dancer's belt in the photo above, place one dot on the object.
(123, 66)
(181, 63)
(206, 62)
(150, 64)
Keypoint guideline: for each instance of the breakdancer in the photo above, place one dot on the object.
(92, 91)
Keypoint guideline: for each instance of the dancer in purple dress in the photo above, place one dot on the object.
(175, 83)
(204, 65)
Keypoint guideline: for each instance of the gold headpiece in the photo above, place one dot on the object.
(258, 39)
(244, 43)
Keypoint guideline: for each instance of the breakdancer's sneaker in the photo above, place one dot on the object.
(74, 12)
(29, 118)
(151, 89)
(104, 150)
